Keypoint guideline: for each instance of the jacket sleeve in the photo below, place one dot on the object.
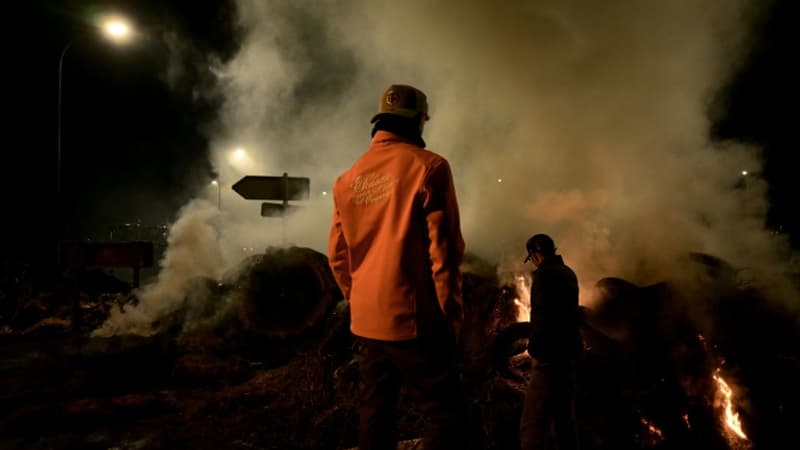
(446, 249)
(338, 253)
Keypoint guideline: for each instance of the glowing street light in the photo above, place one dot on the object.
(240, 159)
(117, 29)
(744, 173)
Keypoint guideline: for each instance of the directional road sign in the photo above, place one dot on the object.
(277, 209)
(285, 188)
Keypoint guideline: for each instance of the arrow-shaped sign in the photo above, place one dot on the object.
(285, 188)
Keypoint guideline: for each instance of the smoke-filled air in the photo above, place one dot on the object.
(586, 121)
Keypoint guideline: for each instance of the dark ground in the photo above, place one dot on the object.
(241, 383)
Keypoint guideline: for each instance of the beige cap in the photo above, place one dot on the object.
(402, 100)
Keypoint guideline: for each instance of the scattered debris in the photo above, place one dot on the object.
(279, 371)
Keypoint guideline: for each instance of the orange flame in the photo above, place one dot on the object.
(731, 417)
(523, 299)
(655, 436)
(652, 428)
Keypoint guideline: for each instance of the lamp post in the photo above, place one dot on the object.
(118, 30)
(60, 71)
(744, 186)
(219, 193)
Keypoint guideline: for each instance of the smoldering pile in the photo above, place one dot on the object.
(667, 367)
(274, 367)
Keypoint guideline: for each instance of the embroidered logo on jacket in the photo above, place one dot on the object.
(371, 188)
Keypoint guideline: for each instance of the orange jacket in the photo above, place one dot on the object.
(395, 244)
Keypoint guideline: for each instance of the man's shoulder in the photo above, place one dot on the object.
(421, 155)
(554, 268)
(432, 159)
(343, 176)
(402, 155)
(431, 154)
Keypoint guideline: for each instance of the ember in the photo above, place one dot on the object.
(655, 432)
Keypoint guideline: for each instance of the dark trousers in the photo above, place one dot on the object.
(549, 406)
(426, 366)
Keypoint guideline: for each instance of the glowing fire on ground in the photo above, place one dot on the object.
(654, 430)
(731, 418)
(523, 299)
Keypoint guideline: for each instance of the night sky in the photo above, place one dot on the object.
(757, 106)
(133, 126)
(137, 119)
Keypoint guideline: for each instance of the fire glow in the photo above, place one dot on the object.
(523, 299)
(731, 418)
(655, 433)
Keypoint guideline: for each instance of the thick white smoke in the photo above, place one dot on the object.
(581, 120)
(193, 254)
(585, 122)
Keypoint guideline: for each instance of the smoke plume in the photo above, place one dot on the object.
(193, 255)
(583, 121)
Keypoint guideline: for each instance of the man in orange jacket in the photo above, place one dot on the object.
(396, 250)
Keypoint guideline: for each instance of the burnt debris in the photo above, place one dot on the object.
(264, 359)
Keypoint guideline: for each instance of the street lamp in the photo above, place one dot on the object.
(116, 29)
(239, 158)
(745, 189)
(219, 193)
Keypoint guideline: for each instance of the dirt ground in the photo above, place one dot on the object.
(226, 387)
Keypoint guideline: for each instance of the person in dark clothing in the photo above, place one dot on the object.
(554, 345)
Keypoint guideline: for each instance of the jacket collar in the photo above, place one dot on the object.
(381, 136)
(388, 136)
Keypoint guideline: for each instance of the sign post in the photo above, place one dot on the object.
(283, 188)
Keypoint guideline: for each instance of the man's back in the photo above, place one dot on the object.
(555, 344)
(554, 312)
(397, 213)
(395, 250)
